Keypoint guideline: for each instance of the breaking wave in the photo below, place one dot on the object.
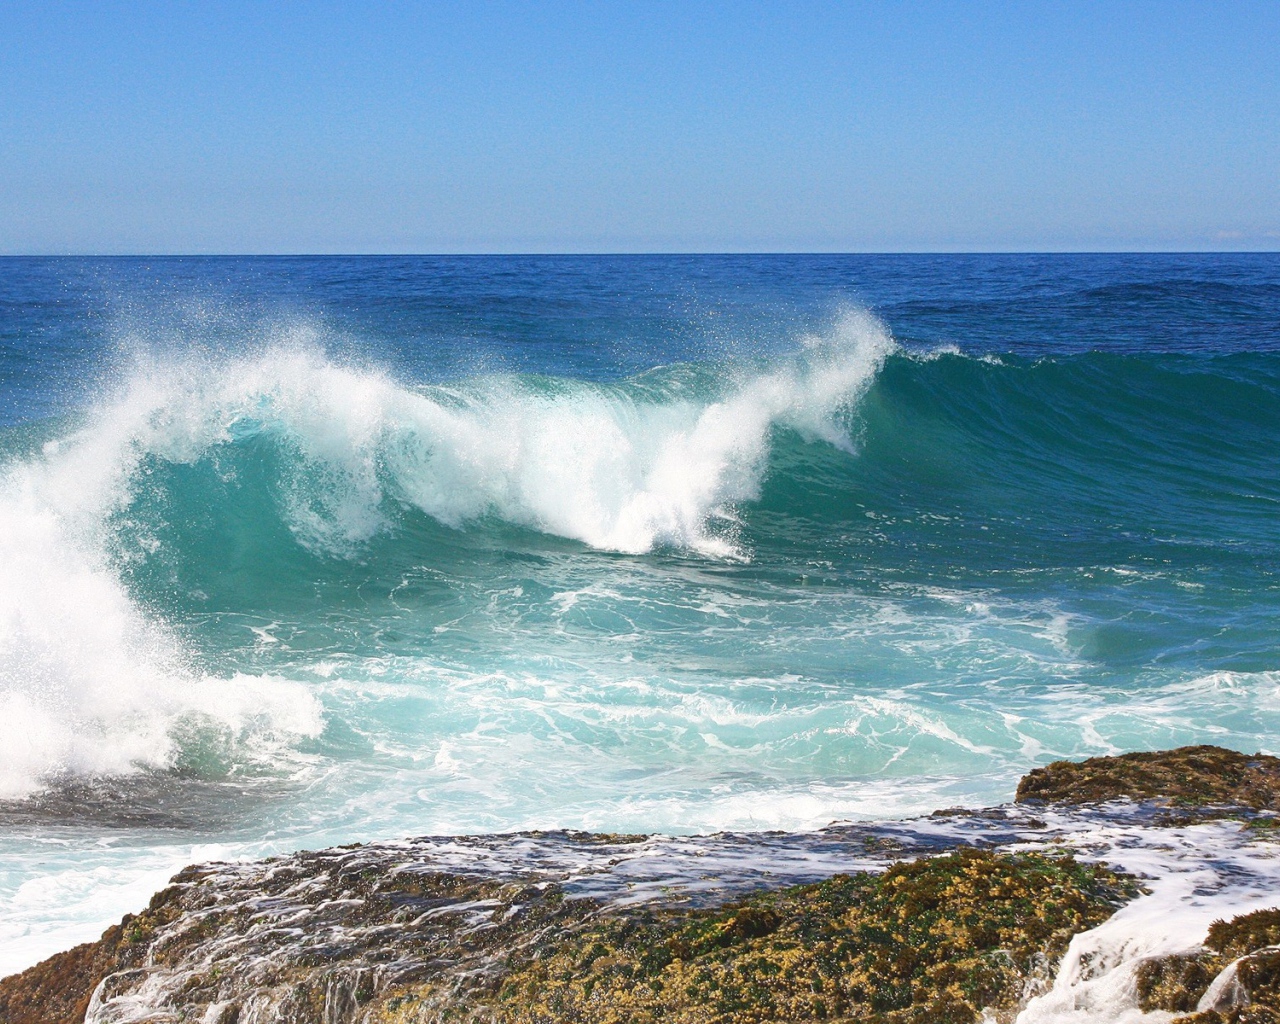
(92, 684)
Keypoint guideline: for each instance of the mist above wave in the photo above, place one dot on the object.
(625, 467)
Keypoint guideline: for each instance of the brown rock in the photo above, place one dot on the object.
(1187, 776)
(57, 990)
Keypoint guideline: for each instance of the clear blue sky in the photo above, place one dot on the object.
(552, 127)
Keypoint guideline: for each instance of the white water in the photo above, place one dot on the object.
(1196, 875)
(597, 464)
(90, 684)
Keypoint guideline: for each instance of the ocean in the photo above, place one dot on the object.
(305, 551)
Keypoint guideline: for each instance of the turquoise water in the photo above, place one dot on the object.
(305, 551)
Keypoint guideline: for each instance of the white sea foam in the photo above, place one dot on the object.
(91, 685)
(616, 472)
(1194, 876)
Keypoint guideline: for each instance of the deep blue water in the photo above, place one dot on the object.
(301, 550)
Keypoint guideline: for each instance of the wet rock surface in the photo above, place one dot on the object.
(959, 917)
(935, 940)
(325, 937)
(1235, 979)
(1188, 777)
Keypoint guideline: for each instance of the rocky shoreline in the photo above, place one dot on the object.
(1041, 910)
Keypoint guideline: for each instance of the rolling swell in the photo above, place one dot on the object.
(1070, 447)
(1155, 443)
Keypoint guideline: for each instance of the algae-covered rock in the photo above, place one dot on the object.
(1247, 991)
(353, 935)
(1188, 776)
(1246, 933)
(57, 990)
(936, 940)
(1176, 983)
(536, 928)
(1237, 975)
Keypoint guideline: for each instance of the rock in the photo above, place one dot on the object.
(1246, 933)
(1234, 980)
(1187, 776)
(1176, 983)
(393, 934)
(57, 990)
(935, 940)
(345, 936)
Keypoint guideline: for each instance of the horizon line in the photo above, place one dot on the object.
(641, 254)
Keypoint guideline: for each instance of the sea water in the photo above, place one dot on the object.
(301, 551)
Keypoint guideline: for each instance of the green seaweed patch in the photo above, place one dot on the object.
(1188, 776)
(936, 940)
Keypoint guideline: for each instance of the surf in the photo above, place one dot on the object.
(214, 563)
(93, 682)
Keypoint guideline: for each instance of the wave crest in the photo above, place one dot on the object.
(622, 467)
(91, 684)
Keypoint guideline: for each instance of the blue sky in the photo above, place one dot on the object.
(614, 127)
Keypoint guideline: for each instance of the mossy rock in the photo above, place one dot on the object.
(1177, 983)
(1246, 933)
(1255, 996)
(57, 990)
(934, 941)
(1188, 776)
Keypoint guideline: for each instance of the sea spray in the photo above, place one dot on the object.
(94, 686)
(90, 685)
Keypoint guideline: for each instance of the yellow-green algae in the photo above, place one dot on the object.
(1249, 941)
(933, 941)
(1187, 777)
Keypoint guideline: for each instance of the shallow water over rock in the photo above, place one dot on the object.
(410, 929)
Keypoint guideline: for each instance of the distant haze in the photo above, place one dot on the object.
(504, 127)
